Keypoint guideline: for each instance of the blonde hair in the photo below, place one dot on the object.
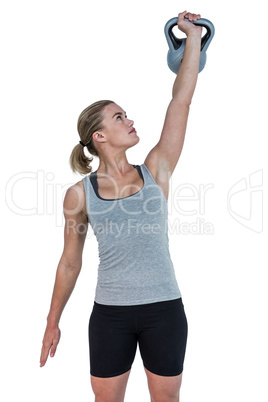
(89, 121)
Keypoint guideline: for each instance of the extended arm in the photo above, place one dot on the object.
(186, 79)
(165, 155)
(68, 269)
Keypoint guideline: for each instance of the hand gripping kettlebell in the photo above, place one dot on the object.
(177, 46)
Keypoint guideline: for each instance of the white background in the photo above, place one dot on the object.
(59, 57)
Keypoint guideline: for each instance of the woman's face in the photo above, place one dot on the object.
(118, 129)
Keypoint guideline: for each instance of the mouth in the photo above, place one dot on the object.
(132, 131)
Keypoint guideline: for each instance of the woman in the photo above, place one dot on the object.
(137, 299)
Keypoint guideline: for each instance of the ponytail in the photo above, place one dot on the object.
(79, 161)
(89, 121)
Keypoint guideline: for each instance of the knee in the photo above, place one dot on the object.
(106, 395)
(106, 398)
(166, 396)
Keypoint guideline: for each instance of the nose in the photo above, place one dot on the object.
(130, 122)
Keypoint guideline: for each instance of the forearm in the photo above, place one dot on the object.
(66, 277)
(185, 82)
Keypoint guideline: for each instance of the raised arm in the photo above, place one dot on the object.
(162, 159)
(69, 267)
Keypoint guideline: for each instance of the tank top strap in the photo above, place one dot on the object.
(88, 192)
(147, 174)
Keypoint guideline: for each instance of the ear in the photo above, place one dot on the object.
(98, 136)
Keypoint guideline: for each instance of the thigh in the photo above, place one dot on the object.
(163, 338)
(112, 341)
(163, 388)
(110, 389)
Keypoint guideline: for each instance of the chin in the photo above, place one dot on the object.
(137, 139)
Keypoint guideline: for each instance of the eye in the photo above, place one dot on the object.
(120, 117)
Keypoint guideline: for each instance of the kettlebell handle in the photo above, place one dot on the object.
(174, 42)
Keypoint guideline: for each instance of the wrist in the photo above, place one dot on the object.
(52, 322)
(193, 33)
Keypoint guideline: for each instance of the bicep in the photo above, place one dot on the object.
(163, 157)
(75, 229)
(172, 136)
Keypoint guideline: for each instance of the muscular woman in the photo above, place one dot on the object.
(137, 300)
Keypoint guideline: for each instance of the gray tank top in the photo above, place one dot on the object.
(135, 266)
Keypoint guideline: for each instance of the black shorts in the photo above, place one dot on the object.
(159, 328)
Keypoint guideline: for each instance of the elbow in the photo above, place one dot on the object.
(183, 100)
(181, 103)
(74, 268)
(71, 265)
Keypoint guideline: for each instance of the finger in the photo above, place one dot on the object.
(181, 16)
(43, 358)
(43, 362)
(192, 16)
(198, 16)
(54, 348)
(44, 354)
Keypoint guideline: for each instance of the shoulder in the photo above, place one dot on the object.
(75, 199)
(157, 166)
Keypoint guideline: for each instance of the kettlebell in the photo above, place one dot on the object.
(177, 46)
